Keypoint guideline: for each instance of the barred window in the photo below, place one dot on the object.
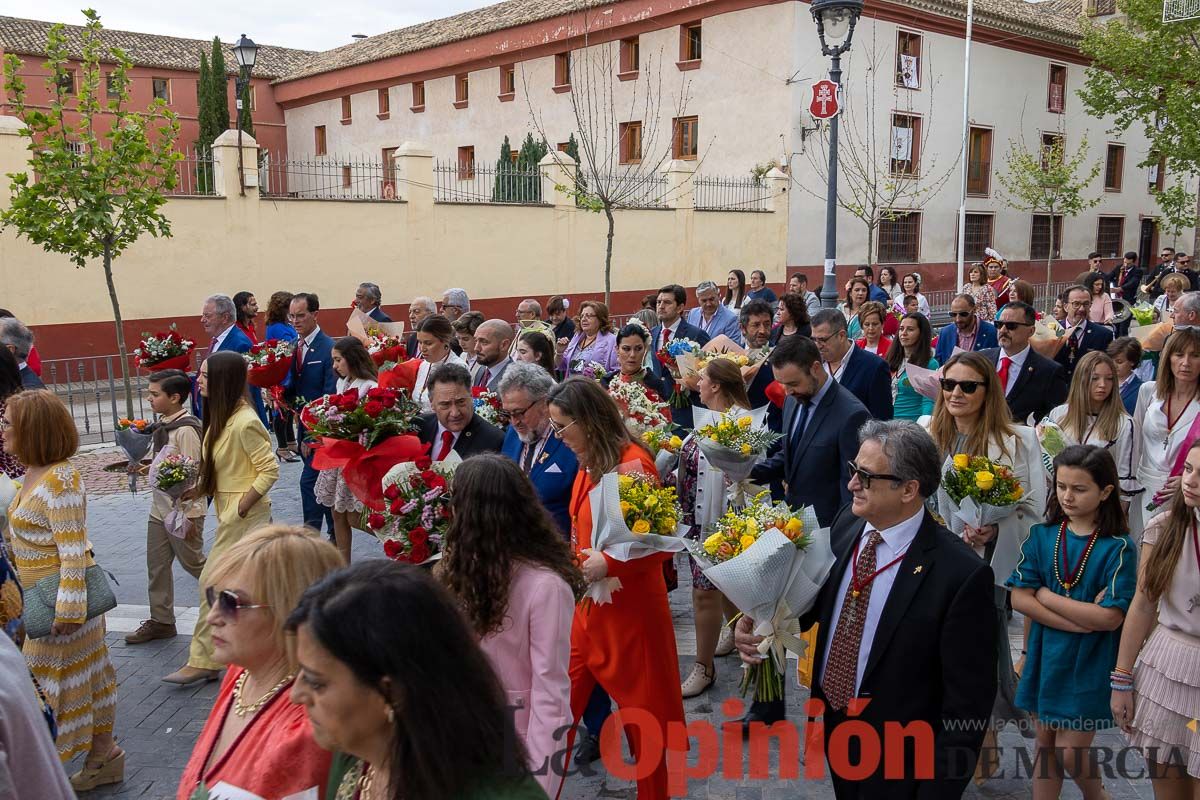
(1109, 233)
(900, 237)
(1039, 238)
(978, 236)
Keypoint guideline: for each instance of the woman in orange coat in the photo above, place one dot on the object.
(628, 645)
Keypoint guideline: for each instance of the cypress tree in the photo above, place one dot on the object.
(204, 174)
(219, 87)
(502, 186)
(529, 186)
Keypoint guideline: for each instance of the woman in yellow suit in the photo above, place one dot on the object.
(238, 469)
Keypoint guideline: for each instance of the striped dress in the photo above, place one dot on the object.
(49, 536)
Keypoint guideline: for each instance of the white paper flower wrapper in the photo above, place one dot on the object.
(735, 465)
(665, 462)
(970, 512)
(611, 536)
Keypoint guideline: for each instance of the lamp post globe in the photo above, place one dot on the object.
(246, 52)
(835, 21)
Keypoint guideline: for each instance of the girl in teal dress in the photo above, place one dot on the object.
(1075, 581)
(913, 345)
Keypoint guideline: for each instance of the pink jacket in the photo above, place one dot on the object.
(530, 654)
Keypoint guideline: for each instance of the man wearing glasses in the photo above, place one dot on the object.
(1033, 384)
(967, 331)
(454, 426)
(1082, 336)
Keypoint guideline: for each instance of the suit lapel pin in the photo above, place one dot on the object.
(542, 458)
(917, 569)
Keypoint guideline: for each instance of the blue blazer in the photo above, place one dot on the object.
(683, 330)
(724, 321)
(815, 469)
(379, 315)
(868, 378)
(315, 377)
(238, 342)
(948, 340)
(878, 294)
(1129, 394)
(553, 476)
(1095, 337)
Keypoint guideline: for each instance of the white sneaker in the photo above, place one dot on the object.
(698, 680)
(725, 643)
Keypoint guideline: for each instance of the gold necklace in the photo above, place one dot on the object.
(242, 710)
(365, 783)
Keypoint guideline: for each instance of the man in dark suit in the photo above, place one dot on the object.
(19, 340)
(1126, 278)
(671, 325)
(1082, 336)
(218, 317)
(966, 331)
(1033, 384)
(865, 374)
(907, 628)
(821, 419)
(312, 377)
(493, 339)
(367, 299)
(454, 425)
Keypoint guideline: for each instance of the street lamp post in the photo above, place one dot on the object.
(246, 53)
(835, 25)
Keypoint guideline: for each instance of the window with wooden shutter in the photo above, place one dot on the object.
(1114, 167)
(631, 142)
(466, 163)
(979, 162)
(630, 55)
(685, 141)
(906, 145)
(690, 42)
(562, 70)
(347, 109)
(1056, 102)
(462, 90)
(908, 59)
(418, 96)
(319, 140)
(385, 102)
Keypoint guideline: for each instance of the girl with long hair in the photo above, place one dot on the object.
(889, 281)
(978, 287)
(246, 306)
(791, 318)
(971, 417)
(858, 291)
(1075, 581)
(911, 285)
(735, 290)
(535, 347)
(1095, 415)
(1101, 311)
(628, 645)
(237, 470)
(871, 318)
(356, 370)
(434, 335)
(394, 681)
(913, 345)
(518, 593)
(1156, 680)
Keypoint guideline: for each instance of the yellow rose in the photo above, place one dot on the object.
(744, 422)
(650, 502)
(724, 426)
(745, 449)
(751, 525)
(961, 461)
(985, 480)
(641, 526)
(714, 438)
(1017, 492)
(712, 543)
(676, 443)
(626, 507)
(625, 481)
(746, 541)
(793, 527)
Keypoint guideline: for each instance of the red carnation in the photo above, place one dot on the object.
(397, 504)
(375, 394)
(419, 553)
(433, 480)
(376, 521)
(393, 549)
(392, 492)
(476, 391)
(422, 462)
(418, 535)
(373, 408)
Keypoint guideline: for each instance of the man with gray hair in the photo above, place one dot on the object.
(712, 316)
(418, 309)
(218, 316)
(367, 299)
(906, 623)
(19, 339)
(549, 463)
(1187, 310)
(455, 303)
(492, 341)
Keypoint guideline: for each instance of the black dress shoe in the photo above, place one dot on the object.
(587, 750)
(766, 712)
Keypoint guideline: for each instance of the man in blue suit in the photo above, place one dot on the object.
(875, 292)
(671, 325)
(712, 316)
(864, 374)
(967, 330)
(312, 378)
(218, 317)
(1083, 336)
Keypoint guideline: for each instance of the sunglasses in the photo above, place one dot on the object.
(227, 602)
(865, 477)
(1005, 325)
(968, 387)
(558, 429)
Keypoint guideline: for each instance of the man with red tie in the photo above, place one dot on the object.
(1033, 384)
(454, 425)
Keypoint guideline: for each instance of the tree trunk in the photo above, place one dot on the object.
(1050, 254)
(121, 352)
(608, 257)
(871, 246)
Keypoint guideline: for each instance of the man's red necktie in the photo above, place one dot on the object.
(447, 445)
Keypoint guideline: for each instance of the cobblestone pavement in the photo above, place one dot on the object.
(158, 724)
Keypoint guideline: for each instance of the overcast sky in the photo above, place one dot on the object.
(306, 24)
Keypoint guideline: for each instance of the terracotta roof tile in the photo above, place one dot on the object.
(29, 37)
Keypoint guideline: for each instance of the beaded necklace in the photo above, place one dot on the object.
(1073, 575)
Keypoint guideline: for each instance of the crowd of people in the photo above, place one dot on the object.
(335, 677)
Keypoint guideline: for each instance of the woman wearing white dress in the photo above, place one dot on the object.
(356, 370)
(434, 335)
(1095, 415)
(1168, 410)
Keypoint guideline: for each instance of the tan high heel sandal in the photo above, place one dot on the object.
(112, 770)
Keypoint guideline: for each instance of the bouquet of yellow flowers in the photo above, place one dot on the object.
(665, 446)
(632, 517)
(982, 491)
(734, 444)
(770, 560)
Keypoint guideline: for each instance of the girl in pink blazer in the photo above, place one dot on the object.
(517, 582)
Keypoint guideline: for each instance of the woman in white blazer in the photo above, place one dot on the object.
(704, 495)
(970, 416)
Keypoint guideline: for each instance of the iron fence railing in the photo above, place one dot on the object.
(328, 178)
(638, 191)
(713, 193)
(195, 175)
(469, 182)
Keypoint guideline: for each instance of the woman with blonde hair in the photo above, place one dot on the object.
(1095, 415)
(254, 737)
(48, 534)
(971, 417)
(704, 496)
(1173, 286)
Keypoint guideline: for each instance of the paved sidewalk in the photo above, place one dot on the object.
(158, 724)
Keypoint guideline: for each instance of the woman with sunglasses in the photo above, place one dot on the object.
(237, 469)
(628, 645)
(971, 417)
(254, 738)
(1095, 415)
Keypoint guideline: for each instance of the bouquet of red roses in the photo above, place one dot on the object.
(268, 362)
(164, 350)
(413, 524)
(385, 348)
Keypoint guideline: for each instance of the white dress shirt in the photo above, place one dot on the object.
(1014, 369)
(896, 540)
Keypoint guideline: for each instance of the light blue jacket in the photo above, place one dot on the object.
(724, 321)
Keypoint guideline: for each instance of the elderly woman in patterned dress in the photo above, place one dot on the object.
(49, 537)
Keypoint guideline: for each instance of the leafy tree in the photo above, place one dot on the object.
(1047, 181)
(1178, 207)
(95, 186)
